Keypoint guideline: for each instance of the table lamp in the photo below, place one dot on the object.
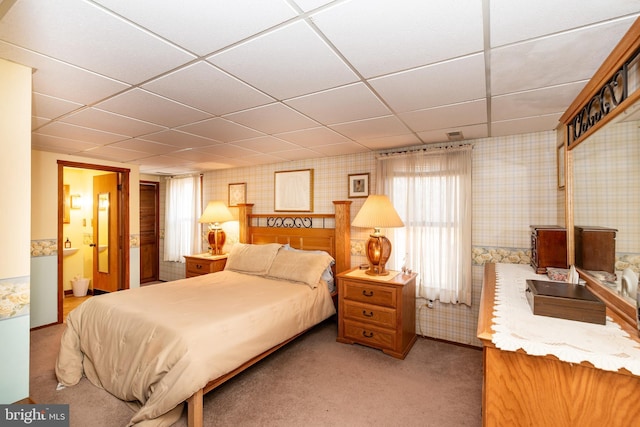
(377, 212)
(216, 213)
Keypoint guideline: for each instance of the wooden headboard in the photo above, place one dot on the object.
(302, 231)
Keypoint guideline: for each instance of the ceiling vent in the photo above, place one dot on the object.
(455, 136)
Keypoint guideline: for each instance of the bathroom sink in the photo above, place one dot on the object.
(70, 251)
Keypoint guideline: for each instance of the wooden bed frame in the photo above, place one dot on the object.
(256, 228)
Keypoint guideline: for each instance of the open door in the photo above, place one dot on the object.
(106, 248)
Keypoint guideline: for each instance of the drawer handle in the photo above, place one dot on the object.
(198, 266)
(367, 334)
(369, 294)
(364, 313)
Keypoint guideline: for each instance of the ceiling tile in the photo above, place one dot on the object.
(380, 37)
(272, 118)
(469, 132)
(179, 139)
(106, 121)
(313, 137)
(372, 128)
(346, 103)
(148, 107)
(445, 83)
(60, 80)
(447, 116)
(265, 144)
(117, 154)
(231, 151)
(84, 35)
(512, 21)
(534, 64)
(58, 145)
(534, 102)
(526, 125)
(205, 87)
(221, 130)
(66, 130)
(308, 5)
(341, 149)
(147, 147)
(390, 142)
(288, 62)
(49, 107)
(214, 25)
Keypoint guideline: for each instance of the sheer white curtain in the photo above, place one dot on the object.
(431, 190)
(183, 207)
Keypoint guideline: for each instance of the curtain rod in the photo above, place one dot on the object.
(426, 150)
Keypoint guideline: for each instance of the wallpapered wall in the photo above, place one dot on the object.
(514, 186)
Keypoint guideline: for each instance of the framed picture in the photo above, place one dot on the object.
(293, 191)
(237, 194)
(560, 157)
(76, 201)
(358, 185)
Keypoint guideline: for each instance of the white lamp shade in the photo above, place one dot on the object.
(216, 213)
(377, 212)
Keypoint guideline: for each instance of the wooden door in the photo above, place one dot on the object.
(106, 253)
(149, 231)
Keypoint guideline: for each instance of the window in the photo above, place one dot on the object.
(431, 190)
(183, 206)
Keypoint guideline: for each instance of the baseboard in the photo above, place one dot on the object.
(69, 292)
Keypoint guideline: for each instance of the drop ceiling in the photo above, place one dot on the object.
(197, 85)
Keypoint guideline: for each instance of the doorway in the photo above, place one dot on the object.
(149, 231)
(107, 209)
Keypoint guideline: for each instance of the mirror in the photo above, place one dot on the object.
(606, 193)
(600, 131)
(103, 232)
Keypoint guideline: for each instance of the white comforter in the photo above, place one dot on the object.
(159, 344)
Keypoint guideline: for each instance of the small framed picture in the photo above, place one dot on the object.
(358, 185)
(237, 194)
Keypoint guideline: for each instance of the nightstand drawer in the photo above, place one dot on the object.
(370, 294)
(370, 335)
(198, 265)
(373, 314)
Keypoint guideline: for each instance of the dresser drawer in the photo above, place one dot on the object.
(372, 314)
(370, 294)
(370, 335)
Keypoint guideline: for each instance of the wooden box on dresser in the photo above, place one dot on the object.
(548, 247)
(197, 265)
(377, 311)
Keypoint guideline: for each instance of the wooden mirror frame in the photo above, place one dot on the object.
(628, 46)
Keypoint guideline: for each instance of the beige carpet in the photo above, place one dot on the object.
(314, 381)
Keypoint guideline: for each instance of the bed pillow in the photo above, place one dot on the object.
(251, 259)
(327, 274)
(299, 266)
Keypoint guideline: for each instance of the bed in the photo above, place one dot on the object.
(159, 346)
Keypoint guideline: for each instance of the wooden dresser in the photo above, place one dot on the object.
(521, 389)
(197, 265)
(548, 247)
(377, 312)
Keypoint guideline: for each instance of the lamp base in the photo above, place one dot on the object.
(378, 253)
(216, 238)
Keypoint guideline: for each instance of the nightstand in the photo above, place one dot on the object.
(377, 311)
(200, 264)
